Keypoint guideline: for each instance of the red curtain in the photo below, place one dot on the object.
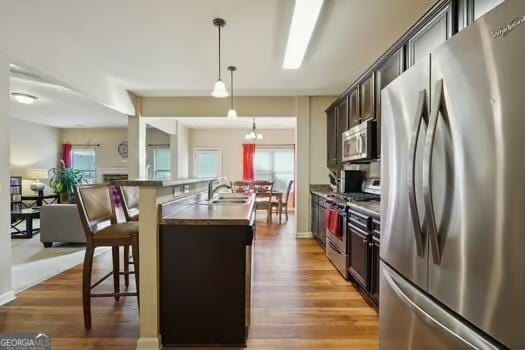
(67, 155)
(248, 160)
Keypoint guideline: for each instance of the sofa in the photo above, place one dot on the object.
(60, 223)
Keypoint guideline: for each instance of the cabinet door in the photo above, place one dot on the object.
(322, 224)
(387, 72)
(435, 33)
(331, 129)
(353, 101)
(374, 278)
(315, 218)
(359, 258)
(342, 125)
(367, 103)
(481, 7)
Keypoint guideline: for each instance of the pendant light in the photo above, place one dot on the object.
(219, 90)
(253, 134)
(232, 114)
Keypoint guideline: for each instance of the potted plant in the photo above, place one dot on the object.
(64, 181)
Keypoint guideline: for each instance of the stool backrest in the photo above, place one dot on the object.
(130, 200)
(288, 191)
(262, 186)
(96, 208)
(241, 186)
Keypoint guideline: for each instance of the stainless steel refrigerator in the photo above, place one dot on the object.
(453, 193)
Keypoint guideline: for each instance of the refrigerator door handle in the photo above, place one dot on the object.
(433, 314)
(421, 115)
(438, 106)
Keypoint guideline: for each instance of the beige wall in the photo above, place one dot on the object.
(318, 169)
(32, 146)
(108, 159)
(230, 142)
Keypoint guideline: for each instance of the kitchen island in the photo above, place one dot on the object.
(195, 264)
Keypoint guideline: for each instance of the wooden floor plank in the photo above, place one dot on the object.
(299, 302)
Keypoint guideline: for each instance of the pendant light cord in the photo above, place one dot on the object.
(231, 88)
(219, 52)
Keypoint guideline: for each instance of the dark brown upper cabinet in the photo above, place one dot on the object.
(433, 34)
(354, 110)
(391, 68)
(331, 137)
(342, 125)
(367, 102)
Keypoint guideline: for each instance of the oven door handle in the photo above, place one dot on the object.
(421, 115)
(334, 247)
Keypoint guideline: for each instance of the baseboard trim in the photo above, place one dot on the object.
(7, 297)
(149, 343)
(304, 235)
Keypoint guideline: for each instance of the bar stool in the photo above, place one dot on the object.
(97, 213)
(130, 206)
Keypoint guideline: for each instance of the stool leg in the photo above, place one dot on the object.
(135, 252)
(86, 286)
(126, 266)
(116, 272)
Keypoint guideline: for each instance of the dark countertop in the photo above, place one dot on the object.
(160, 183)
(206, 213)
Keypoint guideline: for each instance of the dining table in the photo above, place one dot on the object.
(274, 194)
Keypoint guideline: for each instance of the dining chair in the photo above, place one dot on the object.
(129, 198)
(97, 214)
(263, 196)
(241, 186)
(283, 202)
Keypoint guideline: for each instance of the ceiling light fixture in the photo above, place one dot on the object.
(305, 15)
(253, 134)
(219, 90)
(232, 114)
(26, 99)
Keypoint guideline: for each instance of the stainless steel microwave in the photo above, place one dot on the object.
(360, 142)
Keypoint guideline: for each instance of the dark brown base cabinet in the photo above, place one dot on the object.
(205, 284)
(318, 219)
(359, 258)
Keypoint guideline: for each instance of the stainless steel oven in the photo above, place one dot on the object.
(337, 245)
(359, 142)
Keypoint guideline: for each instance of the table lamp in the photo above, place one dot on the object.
(36, 175)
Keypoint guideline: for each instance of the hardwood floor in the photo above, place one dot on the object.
(299, 302)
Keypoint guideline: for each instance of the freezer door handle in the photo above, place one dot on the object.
(438, 106)
(433, 314)
(421, 115)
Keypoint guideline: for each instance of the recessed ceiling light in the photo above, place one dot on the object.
(24, 98)
(305, 15)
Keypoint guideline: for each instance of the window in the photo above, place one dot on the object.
(276, 164)
(161, 163)
(207, 162)
(85, 160)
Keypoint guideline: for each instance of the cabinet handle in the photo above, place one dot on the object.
(365, 241)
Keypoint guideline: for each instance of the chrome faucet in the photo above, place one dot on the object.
(211, 190)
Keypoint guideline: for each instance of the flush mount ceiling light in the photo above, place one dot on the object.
(26, 99)
(253, 134)
(219, 90)
(232, 114)
(305, 15)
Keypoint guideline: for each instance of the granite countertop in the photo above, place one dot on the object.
(160, 183)
(207, 213)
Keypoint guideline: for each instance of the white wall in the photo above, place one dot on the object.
(32, 146)
(6, 293)
(230, 142)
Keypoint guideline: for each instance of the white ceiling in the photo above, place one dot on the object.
(60, 107)
(168, 47)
